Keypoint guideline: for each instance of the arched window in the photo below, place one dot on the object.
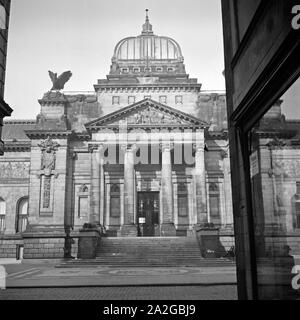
(22, 215)
(2, 214)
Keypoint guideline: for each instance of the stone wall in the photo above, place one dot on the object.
(41, 248)
(9, 247)
(14, 185)
(212, 109)
(188, 105)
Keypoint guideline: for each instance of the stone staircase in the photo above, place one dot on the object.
(149, 252)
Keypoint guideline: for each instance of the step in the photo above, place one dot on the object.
(92, 263)
(149, 252)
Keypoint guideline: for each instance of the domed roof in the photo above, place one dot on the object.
(147, 46)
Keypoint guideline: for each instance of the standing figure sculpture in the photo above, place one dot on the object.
(48, 148)
(59, 82)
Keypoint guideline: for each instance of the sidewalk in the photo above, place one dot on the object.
(45, 275)
(6, 261)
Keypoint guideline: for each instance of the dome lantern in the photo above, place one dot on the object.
(147, 26)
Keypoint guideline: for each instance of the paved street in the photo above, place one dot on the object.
(42, 280)
(225, 292)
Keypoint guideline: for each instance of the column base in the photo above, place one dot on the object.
(167, 230)
(129, 230)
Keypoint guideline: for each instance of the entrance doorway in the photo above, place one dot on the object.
(148, 213)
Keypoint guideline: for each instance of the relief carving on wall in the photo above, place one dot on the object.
(48, 158)
(152, 116)
(14, 170)
(47, 192)
(287, 168)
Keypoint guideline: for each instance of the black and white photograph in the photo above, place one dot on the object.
(149, 152)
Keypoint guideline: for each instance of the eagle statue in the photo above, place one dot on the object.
(59, 82)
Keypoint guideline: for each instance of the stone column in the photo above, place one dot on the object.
(102, 184)
(167, 226)
(95, 185)
(129, 227)
(200, 184)
(227, 192)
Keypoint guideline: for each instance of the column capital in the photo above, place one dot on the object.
(92, 147)
(129, 147)
(101, 146)
(96, 146)
(166, 145)
(200, 146)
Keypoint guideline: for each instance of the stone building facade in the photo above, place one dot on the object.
(5, 109)
(146, 154)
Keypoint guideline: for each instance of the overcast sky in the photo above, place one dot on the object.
(80, 36)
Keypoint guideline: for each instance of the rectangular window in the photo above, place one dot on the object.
(159, 69)
(178, 99)
(115, 100)
(182, 205)
(2, 223)
(131, 99)
(136, 70)
(298, 188)
(115, 206)
(298, 221)
(214, 207)
(163, 99)
(182, 197)
(2, 18)
(298, 207)
(82, 207)
(297, 214)
(125, 70)
(214, 203)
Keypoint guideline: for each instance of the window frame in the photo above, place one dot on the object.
(178, 99)
(20, 217)
(115, 98)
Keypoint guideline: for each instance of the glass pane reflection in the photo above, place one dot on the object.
(275, 179)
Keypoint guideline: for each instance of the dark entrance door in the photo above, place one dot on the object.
(148, 212)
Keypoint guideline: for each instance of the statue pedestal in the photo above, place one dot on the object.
(167, 230)
(88, 243)
(208, 238)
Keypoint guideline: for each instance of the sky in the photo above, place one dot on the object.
(80, 36)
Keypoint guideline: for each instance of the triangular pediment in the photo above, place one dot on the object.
(147, 113)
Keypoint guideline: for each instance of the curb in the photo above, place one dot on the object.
(128, 285)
